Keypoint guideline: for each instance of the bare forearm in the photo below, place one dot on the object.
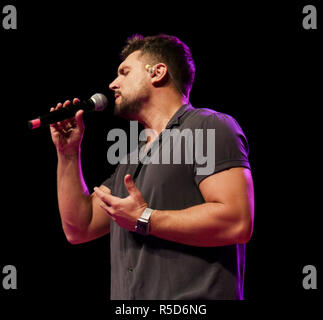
(73, 195)
(205, 225)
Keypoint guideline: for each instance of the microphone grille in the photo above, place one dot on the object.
(100, 101)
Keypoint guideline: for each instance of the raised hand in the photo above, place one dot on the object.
(125, 211)
(67, 135)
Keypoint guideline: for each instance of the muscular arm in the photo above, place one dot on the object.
(82, 218)
(225, 218)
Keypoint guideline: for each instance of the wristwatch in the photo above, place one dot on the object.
(142, 226)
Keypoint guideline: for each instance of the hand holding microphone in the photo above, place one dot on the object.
(67, 134)
(97, 102)
(66, 121)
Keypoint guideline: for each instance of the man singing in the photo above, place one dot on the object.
(176, 231)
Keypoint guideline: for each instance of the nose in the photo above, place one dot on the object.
(114, 85)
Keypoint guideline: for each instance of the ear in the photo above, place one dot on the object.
(158, 74)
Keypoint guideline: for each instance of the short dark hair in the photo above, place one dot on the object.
(169, 50)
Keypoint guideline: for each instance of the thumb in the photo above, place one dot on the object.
(79, 119)
(130, 185)
(79, 115)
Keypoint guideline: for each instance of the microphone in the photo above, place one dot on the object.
(97, 102)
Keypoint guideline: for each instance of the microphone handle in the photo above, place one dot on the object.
(61, 114)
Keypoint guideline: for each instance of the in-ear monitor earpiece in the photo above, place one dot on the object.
(149, 68)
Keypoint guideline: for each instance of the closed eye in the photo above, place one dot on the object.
(124, 71)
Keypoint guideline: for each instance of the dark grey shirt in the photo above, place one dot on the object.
(153, 268)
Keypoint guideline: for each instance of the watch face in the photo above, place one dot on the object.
(142, 227)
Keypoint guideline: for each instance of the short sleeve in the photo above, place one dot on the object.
(109, 182)
(219, 145)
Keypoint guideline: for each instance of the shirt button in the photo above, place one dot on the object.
(130, 269)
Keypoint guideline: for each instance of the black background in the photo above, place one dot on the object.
(253, 60)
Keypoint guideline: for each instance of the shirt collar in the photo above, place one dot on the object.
(175, 120)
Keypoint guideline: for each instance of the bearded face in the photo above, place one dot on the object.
(131, 87)
(129, 103)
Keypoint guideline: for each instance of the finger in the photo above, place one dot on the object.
(66, 103)
(108, 210)
(58, 106)
(106, 197)
(100, 194)
(63, 127)
(105, 188)
(64, 124)
(130, 185)
(58, 126)
(105, 207)
(79, 119)
(54, 125)
(76, 101)
(68, 124)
